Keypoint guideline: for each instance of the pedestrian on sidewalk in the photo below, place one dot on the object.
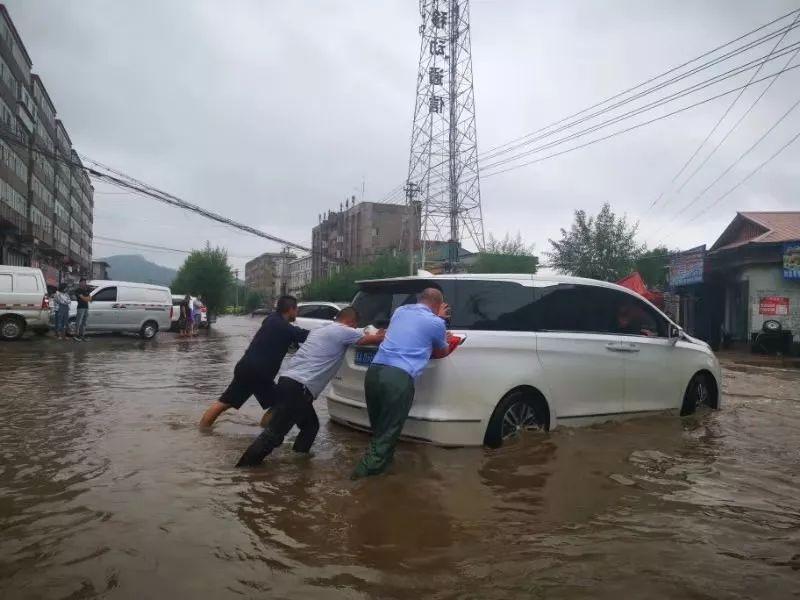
(254, 374)
(83, 294)
(416, 334)
(62, 302)
(302, 380)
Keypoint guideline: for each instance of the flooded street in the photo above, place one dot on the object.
(108, 489)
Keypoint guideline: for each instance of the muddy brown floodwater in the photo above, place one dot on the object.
(108, 489)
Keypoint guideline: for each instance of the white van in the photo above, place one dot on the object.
(536, 352)
(23, 302)
(125, 306)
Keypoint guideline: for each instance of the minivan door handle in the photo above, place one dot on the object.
(615, 347)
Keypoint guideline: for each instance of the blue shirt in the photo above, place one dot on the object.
(413, 333)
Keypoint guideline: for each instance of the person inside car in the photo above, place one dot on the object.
(631, 321)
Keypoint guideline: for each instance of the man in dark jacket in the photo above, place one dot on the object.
(254, 374)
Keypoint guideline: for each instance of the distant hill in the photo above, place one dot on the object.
(135, 267)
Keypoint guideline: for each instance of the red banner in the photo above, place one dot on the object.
(773, 305)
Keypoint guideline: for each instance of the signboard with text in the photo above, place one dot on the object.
(791, 260)
(773, 305)
(686, 268)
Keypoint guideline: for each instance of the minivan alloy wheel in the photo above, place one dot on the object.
(701, 392)
(518, 418)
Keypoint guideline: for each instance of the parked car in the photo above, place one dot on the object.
(311, 315)
(124, 306)
(262, 311)
(24, 303)
(536, 352)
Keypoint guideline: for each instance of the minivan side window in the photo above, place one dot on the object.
(574, 308)
(492, 306)
(634, 317)
(108, 294)
(26, 283)
(5, 283)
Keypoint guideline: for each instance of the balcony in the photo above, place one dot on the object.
(60, 247)
(11, 217)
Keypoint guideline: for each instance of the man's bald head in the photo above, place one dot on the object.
(432, 298)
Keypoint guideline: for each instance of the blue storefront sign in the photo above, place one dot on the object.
(791, 260)
(686, 268)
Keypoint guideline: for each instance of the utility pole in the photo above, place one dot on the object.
(412, 225)
(236, 289)
(443, 160)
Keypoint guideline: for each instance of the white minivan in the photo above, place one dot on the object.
(536, 352)
(23, 302)
(124, 306)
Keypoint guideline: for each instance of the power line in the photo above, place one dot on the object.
(648, 81)
(780, 32)
(127, 182)
(626, 130)
(742, 118)
(730, 167)
(125, 243)
(713, 129)
(747, 178)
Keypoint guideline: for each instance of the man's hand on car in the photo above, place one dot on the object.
(444, 310)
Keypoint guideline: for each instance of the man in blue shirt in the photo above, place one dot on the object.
(416, 334)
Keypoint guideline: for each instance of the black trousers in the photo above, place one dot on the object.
(293, 406)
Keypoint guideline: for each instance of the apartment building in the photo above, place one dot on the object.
(46, 198)
(299, 275)
(356, 234)
(268, 274)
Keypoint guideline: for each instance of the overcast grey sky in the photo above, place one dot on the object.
(272, 112)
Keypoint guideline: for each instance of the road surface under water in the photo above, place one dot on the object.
(108, 489)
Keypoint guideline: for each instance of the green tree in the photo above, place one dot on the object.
(252, 301)
(341, 286)
(205, 273)
(509, 255)
(653, 265)
(602, 247)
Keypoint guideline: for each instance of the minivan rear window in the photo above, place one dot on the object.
(474, 304)
(376, 302)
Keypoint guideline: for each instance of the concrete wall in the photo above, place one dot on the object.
(767, 280)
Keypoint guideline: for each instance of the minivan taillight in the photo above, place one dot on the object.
(45, 303)
(171, 312)
(455, 340)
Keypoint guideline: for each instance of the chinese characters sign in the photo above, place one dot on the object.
(791, 260)
(773, 305)
(686, 268)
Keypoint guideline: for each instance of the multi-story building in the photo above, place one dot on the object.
(268, 275)
(46, 197)
(356, 235)
(299, 275)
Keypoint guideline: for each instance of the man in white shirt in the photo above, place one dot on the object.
(303, 379)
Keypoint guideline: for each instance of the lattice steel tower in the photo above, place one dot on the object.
(443, 181)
